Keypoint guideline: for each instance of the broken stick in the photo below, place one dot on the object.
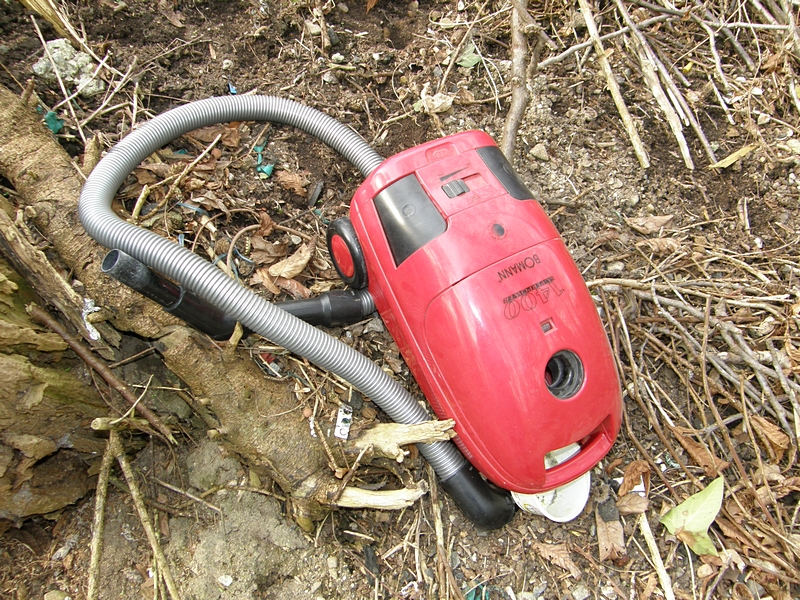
(613, 87)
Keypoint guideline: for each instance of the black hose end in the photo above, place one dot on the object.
(483, 503)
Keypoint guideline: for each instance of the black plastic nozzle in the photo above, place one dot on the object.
(172, 297)
(331, 309)
(483, 503)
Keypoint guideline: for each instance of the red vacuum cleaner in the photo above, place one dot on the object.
(487, 308)
(470, 276)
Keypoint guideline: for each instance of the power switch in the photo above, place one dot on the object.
(455, 188)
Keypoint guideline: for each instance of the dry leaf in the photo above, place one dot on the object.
(793, 354)
(611, 542)
(774, 435)
(294, 182)
(291, 267)
(712, 466)
(165, 7)
(610, 536)
(558, 554)
(266, 253)
(267, 224)
(660, 246)
(263, 277)
(635, 473)
(209, 200)
(297, 290)
(632, 504)
(229, 136)
(649, 225)
(321, 287)
(649, 587)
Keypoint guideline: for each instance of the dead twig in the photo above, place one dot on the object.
(41, 316)
(613, 87)
(519, 76)
(647, 61)
(99, 523)
(116, 449)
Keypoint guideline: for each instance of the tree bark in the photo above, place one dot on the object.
(49, 185)
(259, 419)
(44, 410)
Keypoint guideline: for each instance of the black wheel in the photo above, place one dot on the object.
(348, 259)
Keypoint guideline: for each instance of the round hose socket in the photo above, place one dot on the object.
(563, 374)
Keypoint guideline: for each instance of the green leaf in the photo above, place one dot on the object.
(690, 520)
(469, 57)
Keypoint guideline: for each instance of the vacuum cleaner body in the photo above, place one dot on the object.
(487, 308)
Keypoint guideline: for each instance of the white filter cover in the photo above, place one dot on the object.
(564, 503)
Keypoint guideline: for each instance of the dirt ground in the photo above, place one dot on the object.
(572, 152)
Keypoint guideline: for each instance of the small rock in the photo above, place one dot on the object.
(615, 268)
(539, 151)
(413, 8)
(225, 580)
(333, 37)
(539, 589)
(333, 562)
(56, 595)
(338, 59)
(580, 592)
(75, 68)
(227, 64)
(343, 7)
(312, 28)
(608, 592)
(329, 78)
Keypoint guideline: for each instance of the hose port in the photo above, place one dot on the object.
(563, 374)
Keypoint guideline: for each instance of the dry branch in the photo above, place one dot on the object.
(519, 80)
(95, 363)
(613, 87)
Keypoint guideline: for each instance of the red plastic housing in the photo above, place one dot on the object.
(480, 302)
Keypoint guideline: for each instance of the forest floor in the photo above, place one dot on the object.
(695, 272)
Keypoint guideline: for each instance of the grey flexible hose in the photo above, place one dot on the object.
(210, 283)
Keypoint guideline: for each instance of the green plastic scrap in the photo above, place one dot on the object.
(263, 170)
(52, 121)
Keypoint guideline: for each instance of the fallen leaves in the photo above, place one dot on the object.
(265, 252)
(229, 136)
(293, 182)
(660, 246)
(701, 455)
(772, 436)
(690, 520)
(292, 266)
(558, 554)
(649, 225)
(610, 535)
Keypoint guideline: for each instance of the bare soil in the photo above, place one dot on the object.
(589, 181)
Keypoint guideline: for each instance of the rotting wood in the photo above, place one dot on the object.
(261, 421)
(48, 283)
(41, 316)
(48, 187)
